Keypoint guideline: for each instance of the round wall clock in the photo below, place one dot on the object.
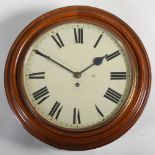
(77, 78)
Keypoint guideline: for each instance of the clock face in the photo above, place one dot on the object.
(77, 75)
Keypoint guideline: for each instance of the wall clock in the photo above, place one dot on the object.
(77, 78)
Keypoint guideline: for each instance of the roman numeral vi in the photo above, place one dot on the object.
(76, 116)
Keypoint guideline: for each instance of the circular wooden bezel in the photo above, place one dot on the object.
(86, 139)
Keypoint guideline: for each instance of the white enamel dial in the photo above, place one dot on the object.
(77, 75)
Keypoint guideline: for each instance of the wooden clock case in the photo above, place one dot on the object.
(94, 137)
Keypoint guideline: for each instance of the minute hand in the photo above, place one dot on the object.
(49, 58)
(96, 61)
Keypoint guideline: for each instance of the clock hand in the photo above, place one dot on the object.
(86, 68)
(49, 58)
(96, 61)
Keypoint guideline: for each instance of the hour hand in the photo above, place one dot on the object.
(96, 61)
(50, 59)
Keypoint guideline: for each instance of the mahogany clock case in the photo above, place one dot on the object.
(93, 137)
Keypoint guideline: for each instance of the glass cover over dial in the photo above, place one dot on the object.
(77, 75)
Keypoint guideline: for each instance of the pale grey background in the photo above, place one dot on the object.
(16, 14)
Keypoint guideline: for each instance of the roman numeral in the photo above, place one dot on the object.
(113, 55)
(99, 111)
(41, 94)
(118, 75)
(39, 75)
(76, 116)
(78, 34)
(58, 40)
(56, 109)
(98, 40)
(113, 95)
